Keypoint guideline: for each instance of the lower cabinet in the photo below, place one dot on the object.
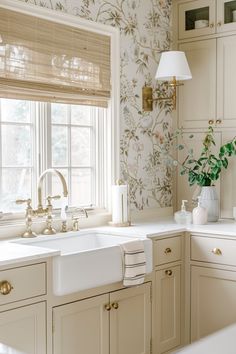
(167, 311)
(213, 296)
(23, 330)
(115, 323)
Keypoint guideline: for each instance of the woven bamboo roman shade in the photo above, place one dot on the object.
(47, 61)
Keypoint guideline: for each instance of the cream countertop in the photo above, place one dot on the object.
(11, 253)
(219, 342)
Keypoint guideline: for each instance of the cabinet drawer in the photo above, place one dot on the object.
(214, 250)
(167, 250)
(26, 282)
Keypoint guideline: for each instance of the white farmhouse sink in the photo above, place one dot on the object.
(88, 259)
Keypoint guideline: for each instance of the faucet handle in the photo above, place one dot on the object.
(22, 201)
(50, 198)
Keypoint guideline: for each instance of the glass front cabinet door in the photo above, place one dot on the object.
(226, 15)
(196, 18)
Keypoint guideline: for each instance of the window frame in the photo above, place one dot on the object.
(111, 159)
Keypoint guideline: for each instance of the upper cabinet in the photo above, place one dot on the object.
(206, 17)
(196, 18)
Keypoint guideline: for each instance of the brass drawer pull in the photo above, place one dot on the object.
(211, 121)
(219, 24)
(168, 250)
(216, 251)
(108, 307)
(212, 25)
(218, 121)
(5, 287)
(115, 305)
(168, 272)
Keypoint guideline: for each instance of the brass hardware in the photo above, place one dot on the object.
(168, 250)
(219, 23)
(49, 230)
(168, 272)
(75, 218)
(216, 251)
(5, 287)
(211, 121)
(218, 121)
(147, 96)
(115, 305)
(212, 25)
(28, 218)
(108, 307)
(64, 226)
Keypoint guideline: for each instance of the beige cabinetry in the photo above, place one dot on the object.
(208, 99)
(197, 98)
(213, 284)
(205, 17)
(23, 330)
(167, 309)
(115, 323)
(23, 327)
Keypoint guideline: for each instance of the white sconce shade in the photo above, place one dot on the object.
(173, 64)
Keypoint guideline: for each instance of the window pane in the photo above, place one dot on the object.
(59, 113)
(81, 187)
(80, 146)
(59, 146)
(15, 111)
(16, 145)
(81, 115)
(16, 183)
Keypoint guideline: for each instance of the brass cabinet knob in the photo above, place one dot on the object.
(168, 250)
(212, 25)
(216, 251)
(108, 307)
(115, 305)
(168, 272)
(210, 121)
(218, 121)
(219, 23)
(5, 287)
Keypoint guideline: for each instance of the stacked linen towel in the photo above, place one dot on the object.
(134, 263)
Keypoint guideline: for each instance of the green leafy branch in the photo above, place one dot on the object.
(205, 170)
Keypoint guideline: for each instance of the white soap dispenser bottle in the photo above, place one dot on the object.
(199, 214)
(183, 216)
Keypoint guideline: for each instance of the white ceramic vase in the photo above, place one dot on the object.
(210, 201)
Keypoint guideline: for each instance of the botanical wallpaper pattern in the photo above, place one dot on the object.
(145, 32)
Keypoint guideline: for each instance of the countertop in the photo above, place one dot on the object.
(220, 342)
(11, 253)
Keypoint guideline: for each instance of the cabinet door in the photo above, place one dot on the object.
(196, 18)
(167, 312)
(184, 191)
(23, 330)
(197, 97)
(213, 294)
(226, 15)
(82, 327)
(226, 74)
(130, 320)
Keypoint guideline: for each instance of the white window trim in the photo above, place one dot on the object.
(113, 125)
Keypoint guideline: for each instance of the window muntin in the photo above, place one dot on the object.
(36, 136)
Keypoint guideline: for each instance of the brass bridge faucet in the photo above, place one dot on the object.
(41, 211)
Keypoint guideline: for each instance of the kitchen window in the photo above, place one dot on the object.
(36, 136)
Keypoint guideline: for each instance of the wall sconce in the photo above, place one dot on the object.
(173, 67)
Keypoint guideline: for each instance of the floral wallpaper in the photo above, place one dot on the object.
(145, 32)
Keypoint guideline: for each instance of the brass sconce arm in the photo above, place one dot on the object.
(147, 96)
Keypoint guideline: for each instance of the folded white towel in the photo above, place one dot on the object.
(134, 263)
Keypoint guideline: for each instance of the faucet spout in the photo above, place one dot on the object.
(40, 184)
